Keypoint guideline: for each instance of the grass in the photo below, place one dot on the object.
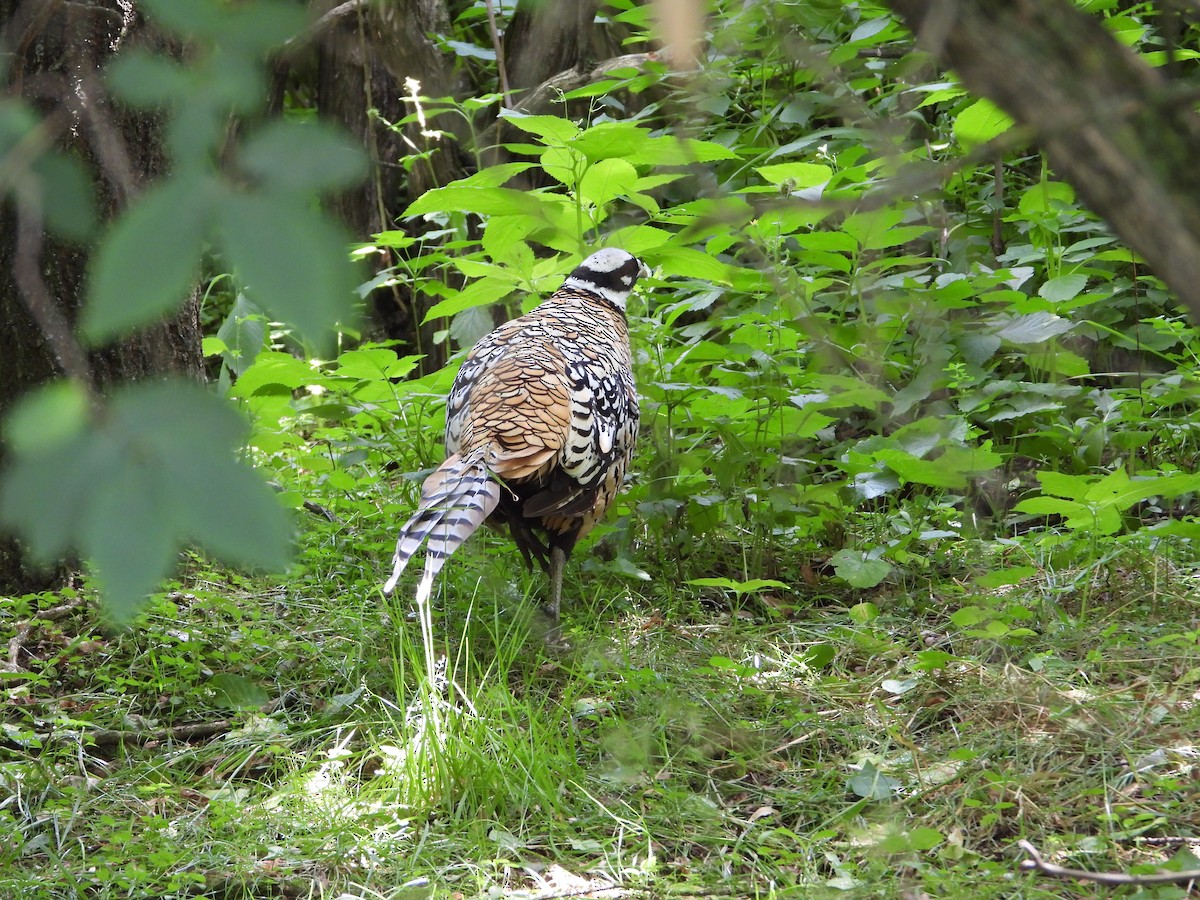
(688, 743)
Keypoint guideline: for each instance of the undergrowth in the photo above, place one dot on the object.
(903, 575)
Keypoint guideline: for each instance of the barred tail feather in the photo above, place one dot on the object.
(455, 501)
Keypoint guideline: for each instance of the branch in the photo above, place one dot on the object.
(491, 14)
(319, 28)
(1037, 864)
(17, 643)
(36, 296)
(1132, 153)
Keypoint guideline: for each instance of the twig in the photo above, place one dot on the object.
(17, 643)
(41, 306)
(318, 510)
(491, 14)
(89, 102)
(196, 731)
(1036, 863)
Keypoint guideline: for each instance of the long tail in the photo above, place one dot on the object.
(455, 501)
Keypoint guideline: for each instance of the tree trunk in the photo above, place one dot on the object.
(545, 39)
(1124, 135)
(57, 51)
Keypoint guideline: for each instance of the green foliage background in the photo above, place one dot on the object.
(902, 573)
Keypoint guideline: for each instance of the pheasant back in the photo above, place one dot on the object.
(541, 424)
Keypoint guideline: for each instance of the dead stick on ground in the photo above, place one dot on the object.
(1036, 863)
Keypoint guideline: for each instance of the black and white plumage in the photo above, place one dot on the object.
(541, 424)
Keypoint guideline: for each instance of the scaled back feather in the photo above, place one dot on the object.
(541, 424)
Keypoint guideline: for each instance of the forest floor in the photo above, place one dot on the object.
(254, 738)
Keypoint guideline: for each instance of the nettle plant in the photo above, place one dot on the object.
(818, 345)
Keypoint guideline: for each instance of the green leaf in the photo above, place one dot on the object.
(1062, 288)
(752, 586)
(818, 656)
(243, 334)
(477, 293)
(149, 258)
(275, 369)
(291, 260)
(1061, 484)
(302, 156)
(864, 613)
(673, 151)
(68, 200)
(1005, 577)
(872, 784)
(798, 174)
(1033, 328)
(979, 123)
(607, 180)
(858, 570)
(969, 616)
(610, 140)
(156, 471)
(237, 692)
(146, 79)
(46, 417)
(483, 201)
(552, 129)
(1046, 197)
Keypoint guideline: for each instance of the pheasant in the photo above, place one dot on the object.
(540, 425)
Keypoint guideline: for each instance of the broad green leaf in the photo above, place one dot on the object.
(979, 123)
(290, 259)
(969, 616)
(477, 293)
(1046, 197)
(1061, 484)
(157, 471)
(147, 79)
(46, 417)
(126, 534)
(302, 156)
(149, 258)
(243, 333)
(494, 176)
(552, 129)
(483, 201)
(610, 140)
(872, 784)
(1033, 328)
(870, 28)
(858, 570)
(68, 199)
(673, 151)
(607, 180)
(1063, 288)
(947, 471)
(273, 368)
(237, 692)
(799, 174)
(868, 226)
(818, 656)
(564, 164)
(863, 613)
(1005, 577)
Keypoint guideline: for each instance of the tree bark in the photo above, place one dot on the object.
(545, 39)
(1124, 135)
(57, 50)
